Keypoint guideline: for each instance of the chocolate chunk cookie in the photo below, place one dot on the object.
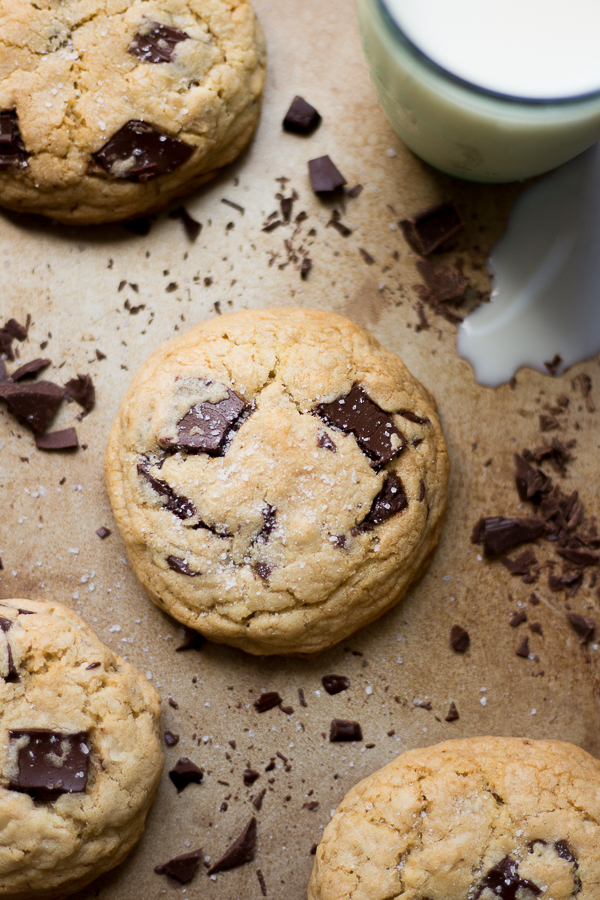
(279, 479)
(482, 818)
(80, 754)
(108, 109)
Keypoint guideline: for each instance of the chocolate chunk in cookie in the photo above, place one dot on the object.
(177, 564)
(155, 43)
(180, 506)
(374, 429)
(12, 675)
(390, 500)
(139, 152)
(50, 763)
(13, 154)
(503, 881)
(206, 427)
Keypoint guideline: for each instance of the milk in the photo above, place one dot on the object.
(539, 52)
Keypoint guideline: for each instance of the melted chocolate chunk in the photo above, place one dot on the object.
(452, 715)
(241, 851)
(57, 440)
(267, 701)
(269, 514)
(82, 390)
(390, 500)
(498, 534)
(185, 772)
(344, 730)
(503, 881)
(325, 442)
(156, 43)
(12, 676)
(50, 763)
(34, 404)
(429, 229)
(206, 427)
(459, 639)
(13, 154)
(30, 368)
(183, 867)
(374, 429)
(584, 626)
(325, 177)
(301, 117)
(250, 776)
(177, 564)
(138, 152)
(564, 851)
(180, 506)
(523, 648)
(334, 684)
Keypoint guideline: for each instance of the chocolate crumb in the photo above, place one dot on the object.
(452, 715)
(345, 730)
(311, 804)
(422, 704)
(325, 177)
(301, 117)
(100, 355)
(241, 851)
(268, 700)
(584, 626)
(257, 802)
(103, 532)
(261, 881)
(57, 440)
(554, 365)
(172, 703)
(250, 776)
(536, 627)
(334, 684)
(302, 698)
(517, 618)
(185, 772)
(459, 639)
(523, 648)
(183, 867)
(171, 739)
(82, 390)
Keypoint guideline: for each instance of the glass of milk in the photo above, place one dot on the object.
(487, 90)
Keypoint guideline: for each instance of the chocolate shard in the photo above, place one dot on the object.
(344, 730)
(50, 763)
(523, 648)
(138, 152)
(390, 500)
(182, 507)
(241, 851)
(426, 231)
(584, 626)
(13, 154)
(564, 582)
(191, 226)
(181, 566)
(29, 369)
(185, 772)
(334, 684)
(57, 440)
(262, 882)
(171, 739)
(504, 882)
(579, 557)
(257, 801)
(325, 177)
(522, 564)
(155, 43)
(452, 715)
(34, 404)
(325, 442)
(183, 867)
(250, 776)
(374, 429)
(301, 117)
(206, 426)
(103, 532)
(498, 534)
(82, 390)
(411, 416)
(268, 700)
(459, 639)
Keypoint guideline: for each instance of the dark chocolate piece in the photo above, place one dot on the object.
(517, 618)
(390, 500)
(30, 368)
(267, 701)
(263, 570)
(564, 582)
(193, 640)
(13, 154)
(366, 255)
(334, 684)
(444, 283)
(94, 665)
(344, 730)
(584, 626)
(504, 882)
(336, 222)
(523, 648)
(521, 565)
(422, 704)
(373, 428)
(171, 739)
(12, 676)
(548, 423)
(16, 330)
(185, 772)
(325, 442)
(182, 507)
(181, 566)
(183, 867)
(241, 851)
(172, 703)
(536, 627)
(564, 851)
(103, 532)
(82, 390)
(579, 557)
(250, 776)
(156, 43)
(270, 518)
(257, 802)
(192, 226)
(57, 440)
(498, 534)
(262, 882)
(32, 404)
(452, 715)
(325, 177)
(139, 152)
(459, 639)
(311, 804)
(429, 229)
(301, 117)
(207, 425)
(302, 698)
(412, 417)
(50, 763)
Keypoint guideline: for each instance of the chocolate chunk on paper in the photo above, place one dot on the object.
(268, 700)
(13, 154)
(50, 763)
(57, 440)
(374, 429)
(34, 404)
(452, 714)
(325, 442)
(344, 730)
(459, 639)
(183, 867)
(426, 231)
(82, 390)
(584, 626)
(334, 684)
(325, 177)
(498, 534)
(241, 851)
(390, 500)
(250, 776)
(155, 43)
(207, 425)
(29, 369)
(185, 772)
(138, 152)
(103, 532)
(301, 117)
(444, 283)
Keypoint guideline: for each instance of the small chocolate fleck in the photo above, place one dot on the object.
(139, 152)
(374, 429)
(302, 698)
(523, 648)
(29, 369)
(185, 772)
(233, 205)
(301, 117)
(82, 390)
(334, 684)
(344, 730)
(262, 883)
(325, 177)
(554, 365)
(241, 851)
(257, 802)
(250, 776)
(311, 804)
(57, 440)
(584, 626)
(498, 534)
(183, 867)
(366, 256)
(191, 226)
(172, 703)
(13, 154)
(156, 43)
(452, 715)
(269, 514)
(171, 739)
(459, 638)
(355, 191)
(267, 701)
(94, 665)
(50, 763)
(426, 231)
(103, 532)
(181, 566)
(422, 704)
(32, 404)
(325, 442)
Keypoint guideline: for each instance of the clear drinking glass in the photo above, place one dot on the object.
(461, 128)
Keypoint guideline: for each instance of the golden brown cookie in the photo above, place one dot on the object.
(110, 108)
(279, 479)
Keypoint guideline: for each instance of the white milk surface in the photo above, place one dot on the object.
(525, 48)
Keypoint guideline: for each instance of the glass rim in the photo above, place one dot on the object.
(438, 69)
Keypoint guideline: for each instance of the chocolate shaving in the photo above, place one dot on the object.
(268, 700)
(374, 429)
(262, 883)
(452, 715)
(334, 684)
(13, 154)
(39, 775)
(181, 566)
(325, 177)
(584, 626)
(426, 231)
(579, 557)
(138, 152)
(498, 534)
(29, 369)
(156, 43)
(459, 639)
(183, 867)
(257, 801)
(548, 423)
(335, 222)
(240, 852)
(34, 404)
(185, 772)
(57, 440)
(522, 564)
(344, 730)
(301, 117)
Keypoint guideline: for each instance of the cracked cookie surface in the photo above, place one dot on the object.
(474, 819)
(110, 108)
(279, 479)
(80, 755)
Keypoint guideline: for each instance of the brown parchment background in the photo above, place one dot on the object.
(64, 279)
